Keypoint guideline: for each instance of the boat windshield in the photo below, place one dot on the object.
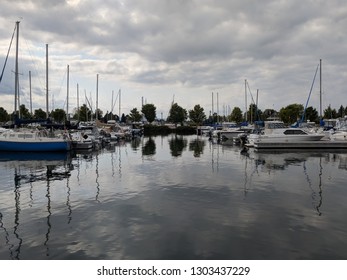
(274, 125)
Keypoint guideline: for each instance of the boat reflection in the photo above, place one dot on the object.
(30, 169)
(277, 161)
(19, 158)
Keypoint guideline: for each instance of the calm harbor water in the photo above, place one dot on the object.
(173, 197)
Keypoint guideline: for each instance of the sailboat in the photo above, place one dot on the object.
(31, 140)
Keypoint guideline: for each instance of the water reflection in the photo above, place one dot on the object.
(149, 148)
(211, 203)
(279, 161)
(48, 219)
(135, 143)
(16, 219)
(273, 161)
(31, 168)
(197, 146)
(68, 203)
(177, 144)
(7, 236)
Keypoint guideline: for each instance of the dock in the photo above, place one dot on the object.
(316, 145)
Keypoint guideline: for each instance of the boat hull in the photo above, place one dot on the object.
(296, 138)
(79, 145)
(39, 146)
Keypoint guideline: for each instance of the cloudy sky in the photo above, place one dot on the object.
(161, 51)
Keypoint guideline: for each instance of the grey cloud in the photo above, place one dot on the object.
(274, 44)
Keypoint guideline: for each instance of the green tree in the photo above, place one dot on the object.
(83, 114)
(236, 115)
(269, 113)
(39, 114)
(135, 115)
(177, 114)
(291, 113)
(341, 112)
(3, 115)
(110, 116)
(149, 110)
(311, 114)
(253, 114)
(123, 118)
(197, 115)
(330, 113)
(59, 115)
(24, 112)
(98, 113)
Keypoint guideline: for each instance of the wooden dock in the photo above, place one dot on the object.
(316, 145)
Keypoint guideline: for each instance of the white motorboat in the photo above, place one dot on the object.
(81, 141)
(339, 133)
(276, 131)
(230, 130)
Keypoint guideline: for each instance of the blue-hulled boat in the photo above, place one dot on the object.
(27, 140)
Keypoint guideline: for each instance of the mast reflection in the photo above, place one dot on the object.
(48, 218)
(316, 202)
(17, 212)
(7, 236)
(29, 169)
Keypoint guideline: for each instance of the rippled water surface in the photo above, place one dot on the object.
(173, 197)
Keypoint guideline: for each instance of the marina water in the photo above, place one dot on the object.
(173, 197)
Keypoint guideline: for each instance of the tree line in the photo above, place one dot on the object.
(178, 115)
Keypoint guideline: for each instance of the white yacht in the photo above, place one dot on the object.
(231, 130)
(276, 131)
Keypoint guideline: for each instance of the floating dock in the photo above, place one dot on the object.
(317, 145)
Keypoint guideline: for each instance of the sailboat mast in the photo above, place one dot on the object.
(97, 96)
(212, 109)
(320, 87)
(31, 103)
(246, 99)
(78, 103)
(119, 104)
(47, 114)
(67, 93)
(217, 109)
(16, 82)
(112, 103)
